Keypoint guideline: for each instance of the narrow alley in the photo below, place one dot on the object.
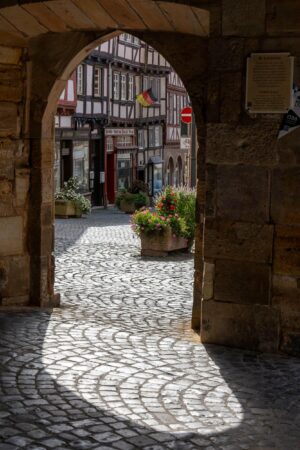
(117, 366)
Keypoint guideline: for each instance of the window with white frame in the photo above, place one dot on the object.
(116, 86)
(124, 141)
(80, 79)
(130, 87)
(97, 82)
(155, 136)
(123, 86)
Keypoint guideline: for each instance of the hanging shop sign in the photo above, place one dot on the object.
(269, 85)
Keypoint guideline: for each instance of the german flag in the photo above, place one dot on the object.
(146, 98)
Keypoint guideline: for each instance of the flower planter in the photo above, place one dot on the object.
(66, 208)
(127, 207)
(161, 244)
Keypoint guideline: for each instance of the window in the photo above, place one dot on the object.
(80, 79)
(130, 87)
(109, 144)
(124, 141)
(155, 136)
(123, 86)
(141, 139)
(145, 83)
(97, 82)
(116, 87)
(155, 85)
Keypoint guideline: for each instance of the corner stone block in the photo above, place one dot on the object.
(242, 282)
(287, 251)
(243, 193)
(285, 202)
(243, 17)
(11, 236)
(253, 327)
(239, 241)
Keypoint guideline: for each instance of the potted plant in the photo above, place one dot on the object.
(69, 202)
(163, 229)
(134, 198)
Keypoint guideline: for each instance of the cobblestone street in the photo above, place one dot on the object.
(117, 367)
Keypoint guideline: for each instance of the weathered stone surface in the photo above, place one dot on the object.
(253, 144)
(7, 158)
(282, 17)
(17, 278)
(22, 300)
(11, 86)
(208, 280)
(287, 250)
(11, 236)
(243, 17)
(9, 120)
(21, 186)
(6, 198)
(225, 54)
(243, 193)
(230, 98)
(10, 55)
(285, 202)
(238, 241)
(242, 282)
(253, 327)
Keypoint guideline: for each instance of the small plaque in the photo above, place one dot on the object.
(269, 83)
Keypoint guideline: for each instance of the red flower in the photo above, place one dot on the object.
(172, 208)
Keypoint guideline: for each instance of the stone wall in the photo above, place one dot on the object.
(247, 289)
(14, 180)
(251, 289)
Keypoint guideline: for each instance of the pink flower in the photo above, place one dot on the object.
(162, 218)
(145, 211)
(174, 235)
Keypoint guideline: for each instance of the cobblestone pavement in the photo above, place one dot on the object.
(116, 367)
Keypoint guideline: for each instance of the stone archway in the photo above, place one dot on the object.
(251, 239)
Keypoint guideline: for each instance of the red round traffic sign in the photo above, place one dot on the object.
(186, 114)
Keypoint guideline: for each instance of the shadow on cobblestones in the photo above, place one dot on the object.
(117, 368)
(49, 401)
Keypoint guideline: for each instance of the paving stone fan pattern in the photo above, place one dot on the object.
(117, 366)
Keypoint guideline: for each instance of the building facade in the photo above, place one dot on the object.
(105, 137)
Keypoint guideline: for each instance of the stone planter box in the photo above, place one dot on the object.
(161, 244)
(66, 208)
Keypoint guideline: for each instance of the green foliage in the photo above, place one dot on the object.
(148, 221)
(186, 208)
(138, 200)
(173, 208)
(69, 192)
(139, 186)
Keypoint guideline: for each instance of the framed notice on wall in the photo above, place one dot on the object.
(269, 85)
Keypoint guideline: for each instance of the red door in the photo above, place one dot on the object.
(110, 176)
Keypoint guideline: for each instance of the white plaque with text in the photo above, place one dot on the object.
(269, 86)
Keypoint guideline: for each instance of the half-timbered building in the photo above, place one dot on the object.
(111, 139)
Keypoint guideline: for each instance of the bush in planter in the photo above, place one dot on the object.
(70, 192)
(164, 214)
(186, 208)
(138, 199)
